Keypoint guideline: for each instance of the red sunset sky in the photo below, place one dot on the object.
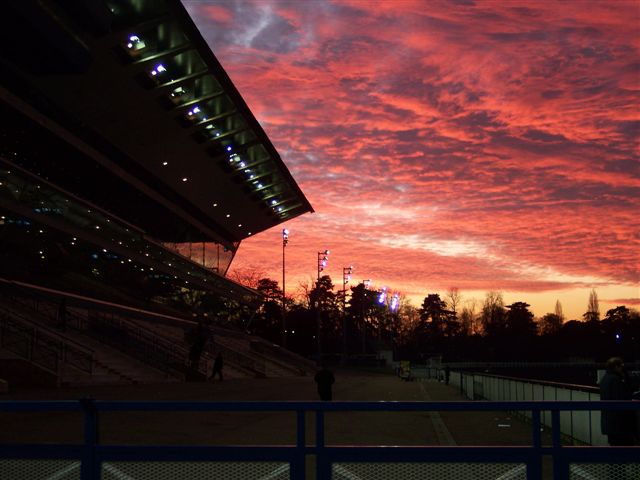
(484, 145)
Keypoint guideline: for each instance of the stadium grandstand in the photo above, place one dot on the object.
(131, 169)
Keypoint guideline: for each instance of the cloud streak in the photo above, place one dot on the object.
(484, 145)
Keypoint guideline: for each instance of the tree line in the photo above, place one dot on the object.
(363, 323)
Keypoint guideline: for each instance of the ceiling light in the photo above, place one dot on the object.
(159, 69)
(135, 43)
(184, 179)
(178, 92)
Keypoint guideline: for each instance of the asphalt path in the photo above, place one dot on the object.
(268, 428)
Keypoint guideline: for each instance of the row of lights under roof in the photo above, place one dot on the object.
(45, 210)
(135, 44)
(73, 241)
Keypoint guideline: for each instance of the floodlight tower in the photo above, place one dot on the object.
(323, 260)
(285, 241)
(366, 284)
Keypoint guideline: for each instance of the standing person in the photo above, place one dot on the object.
(217, 367)
(447, 374)
(618, 425)
(325, 379)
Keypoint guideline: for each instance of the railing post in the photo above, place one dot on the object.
(299, 464)
(89, 469)
(534, 468)
(323, 471)
(559, 466)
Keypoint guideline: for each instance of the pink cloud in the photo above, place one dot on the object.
(501, 139)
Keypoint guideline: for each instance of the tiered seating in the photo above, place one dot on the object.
(130, 345)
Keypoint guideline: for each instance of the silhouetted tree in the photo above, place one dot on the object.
(558, 311)
(434, 314)
(593, 309)
(520, 320)
(493, 314)
(618, 314)
(453, 300)
(267, 319)
(269, 288)
(550, 324)
(324, 302)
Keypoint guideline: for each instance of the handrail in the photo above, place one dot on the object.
(55, 343)
(163, 343)
(572, 386)
(298, 405)
(50, 332)
(169, 350)
(38, 296)
(46, 293)
(527, 458)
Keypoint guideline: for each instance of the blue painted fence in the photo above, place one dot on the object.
(91, 456)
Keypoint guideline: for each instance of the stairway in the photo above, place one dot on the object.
(112, 367)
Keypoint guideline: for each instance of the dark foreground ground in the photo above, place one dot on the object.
(264, 428)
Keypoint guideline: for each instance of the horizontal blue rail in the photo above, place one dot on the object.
(91, 455)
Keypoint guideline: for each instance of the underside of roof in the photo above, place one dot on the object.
(138, 116)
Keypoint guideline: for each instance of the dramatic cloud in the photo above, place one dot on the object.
(477, 144)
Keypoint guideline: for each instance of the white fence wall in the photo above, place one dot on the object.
(582, 426)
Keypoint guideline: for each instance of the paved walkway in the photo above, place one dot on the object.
(365, 428)
(267, 428)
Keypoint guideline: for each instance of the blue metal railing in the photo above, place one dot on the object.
(91, 453)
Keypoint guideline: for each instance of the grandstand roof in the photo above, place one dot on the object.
(133, 86)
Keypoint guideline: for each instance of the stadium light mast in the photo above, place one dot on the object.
(346, 276)
(285, 240)
(365, 284)
(323, 259)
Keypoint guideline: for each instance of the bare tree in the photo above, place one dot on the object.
(593, 308)
(304, 289)
(558, 311)
(249, 277)
(471, 321)
(453, 299)
(493, 313)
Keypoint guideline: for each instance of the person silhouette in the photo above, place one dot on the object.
(218, 363)
(618, 425)
(325, 380)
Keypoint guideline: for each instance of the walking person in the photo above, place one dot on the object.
(217, 367)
